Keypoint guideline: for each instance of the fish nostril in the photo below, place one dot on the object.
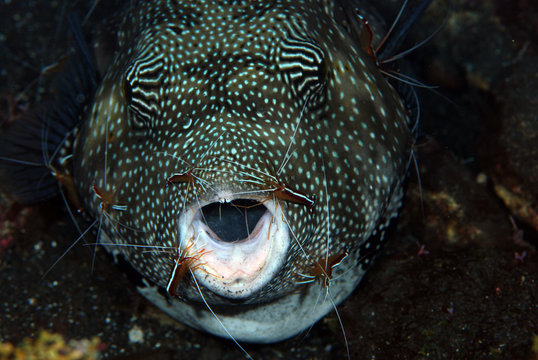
(235, 220)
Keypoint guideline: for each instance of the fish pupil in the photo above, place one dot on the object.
(233, 221)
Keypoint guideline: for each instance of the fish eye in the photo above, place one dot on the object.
(304, 66)
(137, 118)
(140, 88)
(139, 111)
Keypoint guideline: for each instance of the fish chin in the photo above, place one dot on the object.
(234, 267)
(263, 323)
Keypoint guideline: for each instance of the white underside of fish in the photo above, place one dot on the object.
(264, 323)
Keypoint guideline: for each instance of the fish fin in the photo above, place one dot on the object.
(412, 104)
(23, 175)
(395, 37)
(35, 147)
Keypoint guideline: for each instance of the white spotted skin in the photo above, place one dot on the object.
(268, 89)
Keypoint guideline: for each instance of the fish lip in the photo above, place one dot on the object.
(235, 270)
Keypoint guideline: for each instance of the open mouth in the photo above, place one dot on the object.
(238, 245)
(234, 221)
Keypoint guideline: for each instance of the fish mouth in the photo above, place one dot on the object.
(237, 246)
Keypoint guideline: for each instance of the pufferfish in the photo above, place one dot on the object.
(245, 157)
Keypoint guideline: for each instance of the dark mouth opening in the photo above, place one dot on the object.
(235, 220)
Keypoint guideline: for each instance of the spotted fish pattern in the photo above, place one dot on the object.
(264, 115)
